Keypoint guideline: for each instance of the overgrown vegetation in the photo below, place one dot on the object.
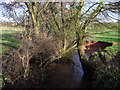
(50, 31)
(39, 54)
(107, 75)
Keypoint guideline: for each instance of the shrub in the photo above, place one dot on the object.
(108, 74)
(32, 55)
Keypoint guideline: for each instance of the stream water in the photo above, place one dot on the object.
(65, 75)
(70, 75)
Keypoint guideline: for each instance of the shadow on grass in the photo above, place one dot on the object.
(107, 39)
(8, 41)
(8, 45)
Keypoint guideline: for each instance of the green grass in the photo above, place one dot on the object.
(8, 41)
(10, 29)
(114, 48)
(108, 39)
(102, 33)
(107, 35)
(112, 37)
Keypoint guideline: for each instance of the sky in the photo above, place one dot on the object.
(59, 0)
(10, 19)
(7, 1)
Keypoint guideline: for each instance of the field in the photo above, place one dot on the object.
(111, 35)
(8, 34)
(7, 41)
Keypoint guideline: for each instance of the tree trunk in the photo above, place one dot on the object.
(37, 28)
(80, 45)
(87, 66)
(35, 16)
(82, 51)
(27, 66)
(65, 44)
(26, 73)
(63, 5)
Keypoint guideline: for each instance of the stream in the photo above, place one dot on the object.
(71, 75)
(68, 73)
(65, 75)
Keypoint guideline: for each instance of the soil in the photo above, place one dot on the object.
(91, 47)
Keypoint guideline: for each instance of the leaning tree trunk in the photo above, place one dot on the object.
(87, 66)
